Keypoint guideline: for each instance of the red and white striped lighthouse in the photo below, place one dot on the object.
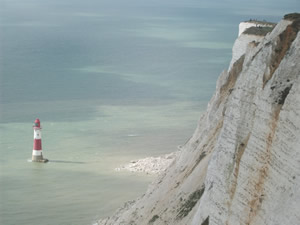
(37, 155)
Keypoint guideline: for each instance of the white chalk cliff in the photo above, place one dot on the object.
(245, 39)
(242, 164)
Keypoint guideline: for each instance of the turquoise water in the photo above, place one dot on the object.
(111, 81)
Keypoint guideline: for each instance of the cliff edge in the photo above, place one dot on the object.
(242, 164)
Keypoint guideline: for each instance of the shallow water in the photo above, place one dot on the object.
(111, 81)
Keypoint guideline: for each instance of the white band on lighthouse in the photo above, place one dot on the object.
(37, 134)
(36, 152)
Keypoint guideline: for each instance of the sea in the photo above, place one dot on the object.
(111, 81)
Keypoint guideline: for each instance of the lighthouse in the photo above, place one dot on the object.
(37, 155)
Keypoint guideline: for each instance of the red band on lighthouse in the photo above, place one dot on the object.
(37, 144)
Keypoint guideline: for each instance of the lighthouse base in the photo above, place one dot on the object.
(39, 158)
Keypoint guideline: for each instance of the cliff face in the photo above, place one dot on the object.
(242, 164)
(250, 33)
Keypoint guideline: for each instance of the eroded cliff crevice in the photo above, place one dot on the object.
(237, 159)
(265, 156)
(282, 45)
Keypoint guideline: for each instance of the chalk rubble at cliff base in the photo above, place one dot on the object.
(242, 164)
(149, 165)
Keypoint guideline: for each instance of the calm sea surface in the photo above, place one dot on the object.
(111, 81)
